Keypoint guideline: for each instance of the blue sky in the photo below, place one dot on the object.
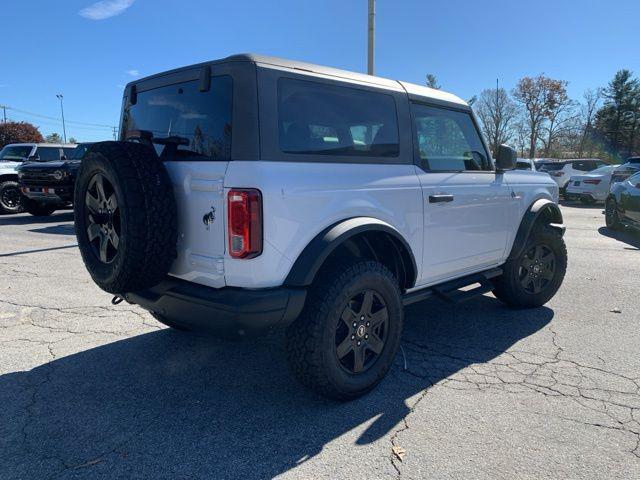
(88, 51)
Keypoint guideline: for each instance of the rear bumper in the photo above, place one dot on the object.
(226, 312)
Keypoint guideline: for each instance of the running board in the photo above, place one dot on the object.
(456, 291)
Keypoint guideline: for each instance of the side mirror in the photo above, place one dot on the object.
(33, 158)
(63, 157)
(506, 159)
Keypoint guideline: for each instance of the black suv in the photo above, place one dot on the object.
(49, 185)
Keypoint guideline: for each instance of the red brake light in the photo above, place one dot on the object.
(592, 181)
(244, 211)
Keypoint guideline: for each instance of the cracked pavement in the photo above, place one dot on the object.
(92, 390)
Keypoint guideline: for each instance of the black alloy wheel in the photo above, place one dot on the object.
(361, 331)
(11, 197)
(102, 218)
(537, 269)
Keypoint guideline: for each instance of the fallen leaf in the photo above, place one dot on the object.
(399, 452)
(615, 310)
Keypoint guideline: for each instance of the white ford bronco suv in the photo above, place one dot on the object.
(253, 192)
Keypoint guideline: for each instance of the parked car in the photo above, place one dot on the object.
(563, 170)
(253, 192)
(623, 204)
(13, 155)
(525, 164)
(49, 185)
(624, 171)
(591, 187)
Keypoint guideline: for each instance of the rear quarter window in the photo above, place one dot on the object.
(322, 119)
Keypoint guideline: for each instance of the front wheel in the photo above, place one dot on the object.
(11, 199)
(347, 336)
(533, 278)
(611, 216)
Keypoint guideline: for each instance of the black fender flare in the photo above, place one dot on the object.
(317, 250)
(538, 209)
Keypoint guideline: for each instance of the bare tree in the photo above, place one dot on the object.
(560, 117)
(538, 97)
(588, 112)
(497, 113)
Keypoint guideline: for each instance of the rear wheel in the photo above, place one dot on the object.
(345, 340)
(611, 216)
(533, 278)
(587, 200)
(11, 199)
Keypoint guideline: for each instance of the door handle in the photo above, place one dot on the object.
(440, 198)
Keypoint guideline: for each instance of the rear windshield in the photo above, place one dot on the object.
(15, 153)
(182, 122)
(549, 167)
(316, 118)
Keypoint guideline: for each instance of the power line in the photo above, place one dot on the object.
(38, 115)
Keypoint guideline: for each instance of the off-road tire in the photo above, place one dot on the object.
(38, 209)
(586, 200)
(310, 340)
(508, 286)
(147, 216)
(611, 217)
(169, 323)
(5, 207)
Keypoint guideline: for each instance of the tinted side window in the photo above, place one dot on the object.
(48, 154)
(448, 140)
(182, 122)
(315, 118)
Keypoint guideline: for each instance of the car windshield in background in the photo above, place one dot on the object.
(182, 122)
(76, 153)
(550, 167)
(602, 170)
(15, 153)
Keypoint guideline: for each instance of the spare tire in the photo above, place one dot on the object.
(125, 216)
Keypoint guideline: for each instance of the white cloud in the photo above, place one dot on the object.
(133, 72)
(105, 9)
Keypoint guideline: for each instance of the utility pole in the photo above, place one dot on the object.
(115, 133)
(64, 129)
(4, 112)
(371, 36)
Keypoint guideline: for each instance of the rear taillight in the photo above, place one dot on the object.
(244, 221)
(592, 182)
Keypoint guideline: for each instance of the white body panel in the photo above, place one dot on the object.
(9, 168)
(470, 234)
(199, 191)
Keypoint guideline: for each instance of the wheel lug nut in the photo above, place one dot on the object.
(368, 324)
(366, 337)
(359, 343)
(362, 317)
(353, 337)
(355, 324)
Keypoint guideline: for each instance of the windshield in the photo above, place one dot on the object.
(182, 122)
(76, 153)
(15, 153)
(602, 170)
(549, 167)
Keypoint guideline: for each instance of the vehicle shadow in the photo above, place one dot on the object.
(26, 219)
(579, 204)
(628, 235)
(56, 229)
(174, 405)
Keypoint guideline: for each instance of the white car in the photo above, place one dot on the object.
(592, 187)
(525, 164)
(254, 192)
(562, 170)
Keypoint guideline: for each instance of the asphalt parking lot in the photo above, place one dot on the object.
(91, 390)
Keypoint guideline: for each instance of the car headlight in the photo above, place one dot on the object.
(59, 174)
